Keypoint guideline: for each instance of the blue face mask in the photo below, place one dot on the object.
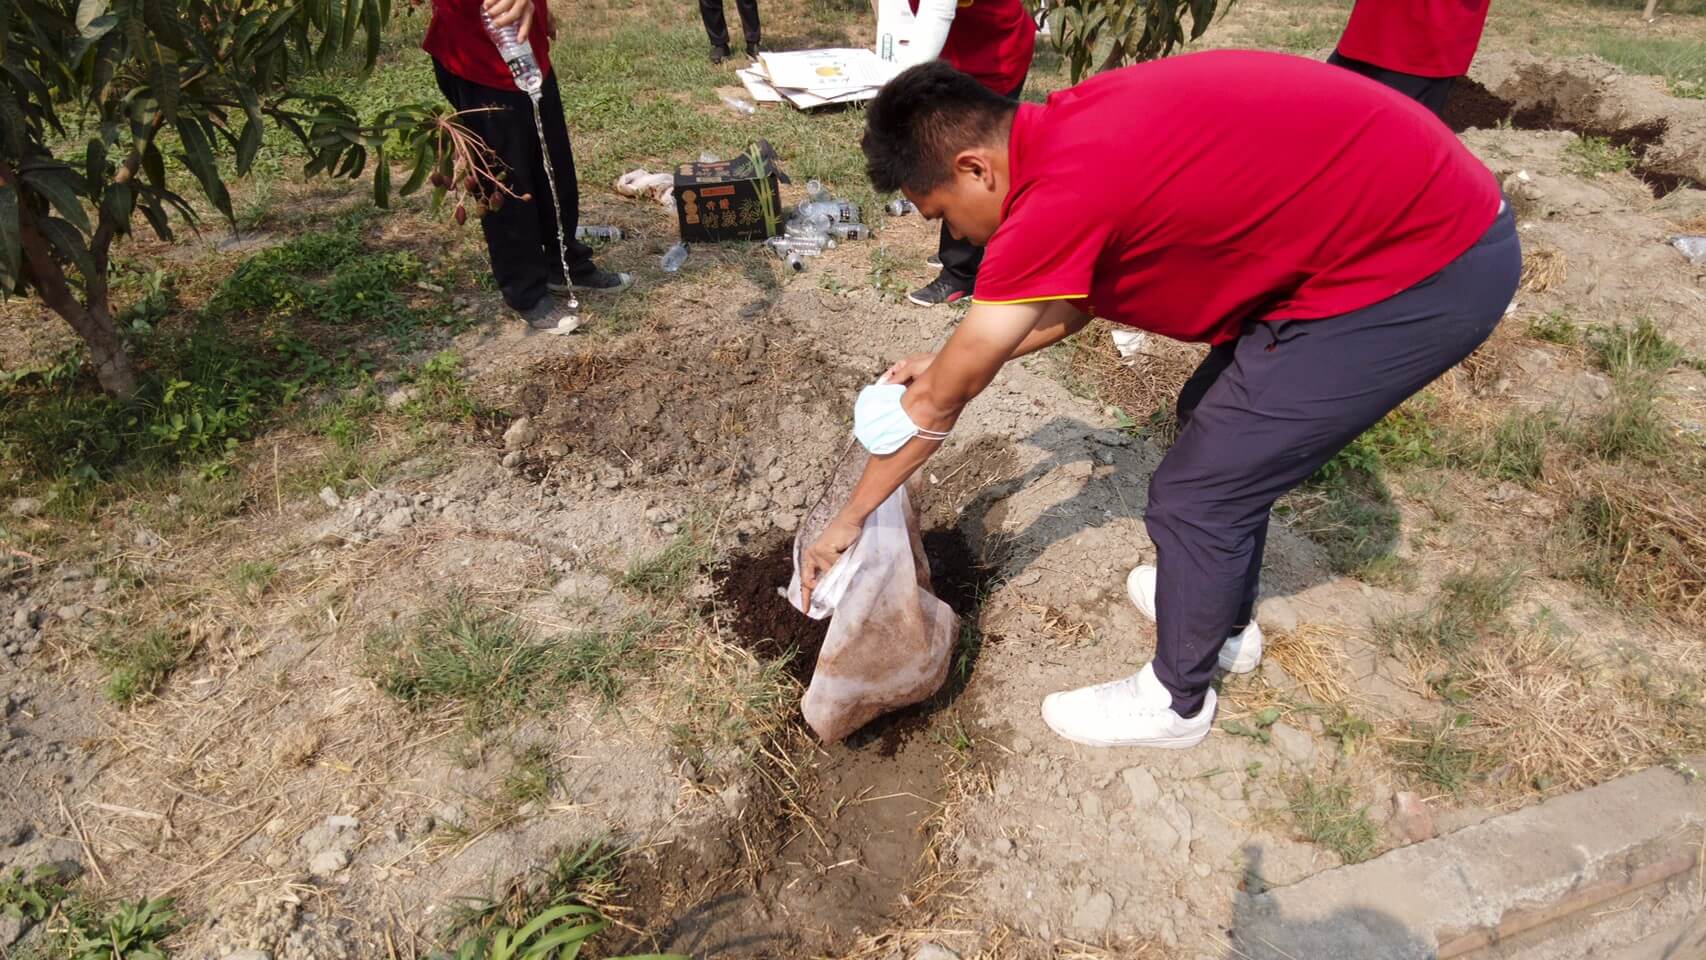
(881, 424)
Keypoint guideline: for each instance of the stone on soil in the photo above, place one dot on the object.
(26, 507)
(397, 520)
(1094, 914)
(521, 434)
(1142, 786)
(1411, 817)
(1276, 615)
(248, 955)
(328, 862)
(1294, 744)
(935, 951)
(330, 498)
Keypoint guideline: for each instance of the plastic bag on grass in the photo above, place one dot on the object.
(890, 639)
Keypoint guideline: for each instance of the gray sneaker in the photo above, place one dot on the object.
(551, 317)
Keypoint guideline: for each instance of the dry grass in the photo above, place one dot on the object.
(1644, 543)
(1314, 655)
(1560, 721)
(1142, 385)
(1543, 268)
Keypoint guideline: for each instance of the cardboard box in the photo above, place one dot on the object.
(735, 199)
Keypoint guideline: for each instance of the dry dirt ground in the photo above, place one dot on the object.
(293, 805)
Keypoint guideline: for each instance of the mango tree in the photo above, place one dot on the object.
(1124, 30)
(98, 97)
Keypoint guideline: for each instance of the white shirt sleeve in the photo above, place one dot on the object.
(906, 39)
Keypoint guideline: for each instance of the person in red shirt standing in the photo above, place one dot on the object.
(1416, 47)
(521, 237)
(992, 41)
(1332, 240)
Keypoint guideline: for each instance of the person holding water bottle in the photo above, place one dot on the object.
(535, 258)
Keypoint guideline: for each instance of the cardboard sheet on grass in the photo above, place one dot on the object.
(816, 78)
(890, 638)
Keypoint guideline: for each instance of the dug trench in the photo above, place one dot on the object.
(1472, 105)
(838, 845)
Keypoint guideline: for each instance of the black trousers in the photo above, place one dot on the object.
(717, 28)
(1265, 411)
(1430, 92)
(522, 237)
(961, 258)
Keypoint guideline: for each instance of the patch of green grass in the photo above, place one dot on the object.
(137, 667)
(440, 392)
(1433, 756)
(1590, 156)
(666, 575)
(1328, 814)
(586, 874)
(1353, 519)
(1470, 606)
(1681, 62)
(131, 931)
(489, 666)
(1515, 449)
(1634, 350)
(1555, 327)
(251, 578)
(1631, 426)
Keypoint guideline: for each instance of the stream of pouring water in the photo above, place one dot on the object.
(556, 207)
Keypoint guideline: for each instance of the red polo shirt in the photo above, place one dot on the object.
(457, 39)
(1426, 38)
(992, 40)
(1190, 194)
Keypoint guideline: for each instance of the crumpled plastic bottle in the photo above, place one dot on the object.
(1694, 248)
(675, 257)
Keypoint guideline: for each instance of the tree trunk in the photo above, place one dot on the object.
(1651, 11)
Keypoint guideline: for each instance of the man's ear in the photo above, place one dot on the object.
(975, 163)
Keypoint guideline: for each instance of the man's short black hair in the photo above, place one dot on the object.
(921, 120)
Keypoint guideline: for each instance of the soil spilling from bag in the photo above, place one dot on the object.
(844, 850)
(1472, 105)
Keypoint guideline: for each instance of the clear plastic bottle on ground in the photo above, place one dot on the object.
(816, 192)
(809, 226)
(849, 231)
(804, 246)
(598, 232)
(675, 257)
(746, 107)
(523, 69)
(838, 211)
(900, 207)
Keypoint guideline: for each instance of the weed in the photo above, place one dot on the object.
(33, 898)
(1631, 426)
(440, 392)
(1516, 448)
(556, 934)
(1257, 729)
(1327, 814)
(1642, 544)
(1630, 350)
(133, 931)
(484, 663)
(1590, 156)
(1434, 756)
(1353, 519)
(1555, 327)
(1350, 730)
(596, 661)
(137, 668)
(251, 578)
(588, 874)
(1470, 605)
(532, 779)
(667, 574)
(1682, 62)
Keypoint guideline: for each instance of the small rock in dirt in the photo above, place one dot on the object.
(1005, 846)
(1411, 817)
(1142, 786)
(145, 540)
(1094, 914)
(512, 460)
(775, 474)
(935, 951)
(330, 498)
(521, 434)
(398, 399)
(756, 501)
(29, 646)
(100, 586)
(1021, 746)
(1294, 744)
(735, 800)
(610, 481)
(656, 515)
(328, 862)
(11, 929)
(397, 520)
(72, 612)
(450, 815)
(1276, 676)
(248, 955)
(785, 520)
(1092, 806)
(21, 619)
(794, 498)
(276, 859)
(26, 507)
(1276, 615)
(669, 528)
(343, 823)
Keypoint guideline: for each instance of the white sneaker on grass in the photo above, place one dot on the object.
(1134, 712)
(1243, 650)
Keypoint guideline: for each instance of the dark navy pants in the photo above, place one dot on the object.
(1265, 411)
(1430, 92)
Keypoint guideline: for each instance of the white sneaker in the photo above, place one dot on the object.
(1243, 650)
(1134, 712)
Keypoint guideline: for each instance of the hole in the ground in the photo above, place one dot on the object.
(1473, 105)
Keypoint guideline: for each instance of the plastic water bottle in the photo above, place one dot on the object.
(804, 246)
(809, 226)
(586, 232)
(816, 192)
(792, 259)
(838, 211)
(523, 69)
(675, 257)
(900, 207)
(1694, 248)
(850, 231)
(739, 105)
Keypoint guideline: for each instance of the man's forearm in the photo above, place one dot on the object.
(884, 475)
